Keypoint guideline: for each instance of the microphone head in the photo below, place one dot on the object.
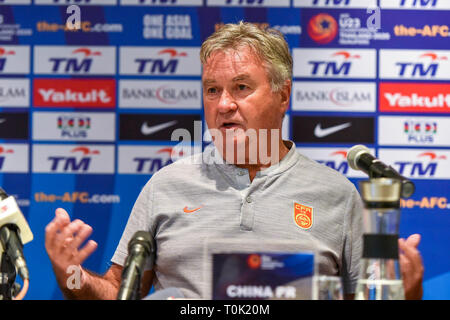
(142, 238)
(354, 153)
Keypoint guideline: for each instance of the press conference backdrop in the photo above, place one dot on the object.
(87, 114)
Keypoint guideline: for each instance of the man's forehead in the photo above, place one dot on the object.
(230, 60)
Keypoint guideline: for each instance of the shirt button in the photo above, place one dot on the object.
(249, 199)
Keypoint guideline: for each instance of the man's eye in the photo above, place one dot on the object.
(242, 87)
(211, 90)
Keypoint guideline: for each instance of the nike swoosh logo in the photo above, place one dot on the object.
(146, 130)
(320, 133)
(185, 209)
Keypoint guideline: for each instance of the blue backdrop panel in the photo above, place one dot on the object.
(98, 180)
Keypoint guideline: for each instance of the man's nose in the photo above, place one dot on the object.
(226, 103)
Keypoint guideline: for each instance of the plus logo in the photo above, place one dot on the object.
(79, 162)
(167, 64)
(427, 68)
(81, 63)
(340, 67)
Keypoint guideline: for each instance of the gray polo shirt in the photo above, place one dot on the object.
(199, 204)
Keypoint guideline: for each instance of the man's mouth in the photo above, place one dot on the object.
(231, 126)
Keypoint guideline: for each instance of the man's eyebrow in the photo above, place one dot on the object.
(208, 81)
(243, 76)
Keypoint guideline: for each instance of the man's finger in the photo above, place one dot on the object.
(87, 250)
(413, 240)
(82, 234)
(62, 218)
(50, 233)
(69, 231)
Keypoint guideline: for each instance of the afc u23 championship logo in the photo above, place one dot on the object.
(303, 216)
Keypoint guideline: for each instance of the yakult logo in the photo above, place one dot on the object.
(74, 93)
(414, 97)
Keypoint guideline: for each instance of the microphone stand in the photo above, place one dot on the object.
(8, 288)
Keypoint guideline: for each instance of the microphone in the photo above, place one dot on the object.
(359, 158)
(165, 294)
(14, 232)
(140, 247)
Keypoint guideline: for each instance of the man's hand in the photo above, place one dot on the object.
(411, 267)
(62, 241)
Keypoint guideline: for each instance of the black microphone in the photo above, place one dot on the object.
(359, 158)
(140, 248)
(14, 232)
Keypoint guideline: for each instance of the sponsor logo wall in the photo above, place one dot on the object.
(87, 116)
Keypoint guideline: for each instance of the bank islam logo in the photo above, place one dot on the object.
(70, 60)
(322, 28)
(159, 61)
(334, 63)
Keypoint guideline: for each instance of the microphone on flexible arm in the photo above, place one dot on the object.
(140, 248)
(14, 232)
(359, 158)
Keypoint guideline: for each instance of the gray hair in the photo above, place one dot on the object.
(269, 44)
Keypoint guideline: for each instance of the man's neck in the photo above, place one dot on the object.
(254, 168)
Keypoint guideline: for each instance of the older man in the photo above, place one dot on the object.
(247, 186)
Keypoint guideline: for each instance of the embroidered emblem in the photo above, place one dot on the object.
(303, 215)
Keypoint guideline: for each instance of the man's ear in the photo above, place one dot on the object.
(285, 95)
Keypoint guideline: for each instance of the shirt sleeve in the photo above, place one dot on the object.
(139, 220)
(352, 242)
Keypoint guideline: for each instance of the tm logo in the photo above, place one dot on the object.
(151, 165)
(421, 69)
(338, 165)
(420, 169)
(74, 64)
(161, 65)
(3, 57)
(334, 68)
(418, 3)
(73, 164)
(3, 152)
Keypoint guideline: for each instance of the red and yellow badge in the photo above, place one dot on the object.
(303, 215)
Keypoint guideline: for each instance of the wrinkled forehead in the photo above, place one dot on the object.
(235, 58)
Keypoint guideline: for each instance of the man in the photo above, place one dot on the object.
(245, 187)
